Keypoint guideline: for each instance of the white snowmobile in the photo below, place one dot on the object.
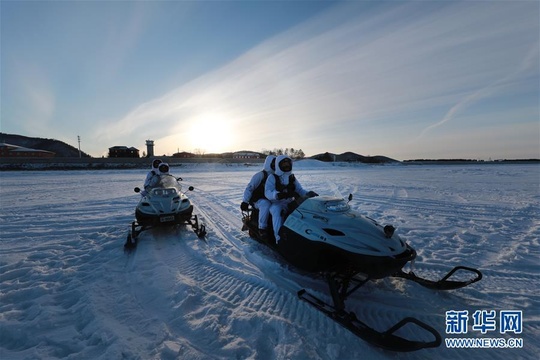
(323, 235)
(164, 204)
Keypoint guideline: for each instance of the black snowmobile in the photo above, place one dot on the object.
(323, 235)
(164, 205)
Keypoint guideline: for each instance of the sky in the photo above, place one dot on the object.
(403, 79)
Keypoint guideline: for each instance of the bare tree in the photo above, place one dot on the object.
(199, 152)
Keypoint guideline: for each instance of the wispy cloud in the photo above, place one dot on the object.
(354, 67)
(36, 109)
(529, 63)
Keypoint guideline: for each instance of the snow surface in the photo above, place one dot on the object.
(67, 290)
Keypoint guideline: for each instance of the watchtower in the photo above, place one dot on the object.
(150, 148)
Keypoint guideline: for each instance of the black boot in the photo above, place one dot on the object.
(264, 235)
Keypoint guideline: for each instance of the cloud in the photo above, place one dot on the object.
(36, 101)
(356, 67)
(529, 62)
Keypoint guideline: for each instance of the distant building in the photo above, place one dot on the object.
(183, 154)
(246, 155)
(14, 151)
(123, 152)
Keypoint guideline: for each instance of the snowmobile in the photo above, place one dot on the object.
(324, 236)
(163, 205)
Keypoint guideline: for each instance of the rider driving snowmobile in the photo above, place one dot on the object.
(163, 170)
(281, 189)
(254, 195)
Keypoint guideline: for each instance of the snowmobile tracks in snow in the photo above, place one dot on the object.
(205, 297)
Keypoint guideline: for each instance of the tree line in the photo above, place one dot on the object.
(291, 152)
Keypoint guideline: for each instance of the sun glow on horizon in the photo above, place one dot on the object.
(211, 133)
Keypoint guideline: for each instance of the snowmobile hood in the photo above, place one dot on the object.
(164, 198)
(267, 164)
(332, 221)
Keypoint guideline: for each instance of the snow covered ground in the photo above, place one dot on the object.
(67, 290)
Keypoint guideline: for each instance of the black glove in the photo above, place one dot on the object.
(311, 194)
(244, 206)
(283, 195)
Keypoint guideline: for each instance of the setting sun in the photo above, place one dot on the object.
(211, 133)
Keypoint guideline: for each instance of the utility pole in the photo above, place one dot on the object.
(79, 140)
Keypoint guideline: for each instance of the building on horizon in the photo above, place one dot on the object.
(246, 155)
(183, 154)
(123, 152)
(8, 150)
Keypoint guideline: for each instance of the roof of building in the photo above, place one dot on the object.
(122, 147)
(16, 148)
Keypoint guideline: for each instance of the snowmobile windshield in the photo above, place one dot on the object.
(167, 182)
(325, 204)
(337, 206)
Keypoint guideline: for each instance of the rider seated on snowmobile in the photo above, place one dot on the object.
(282, 189)
(254, 196)
(152, 174)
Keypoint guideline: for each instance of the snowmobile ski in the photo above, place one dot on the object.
(198, 229)
(444, 283)
(384, 339)
(131, 244)
(133, 235)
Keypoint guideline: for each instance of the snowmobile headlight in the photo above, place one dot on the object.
(164, 192)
